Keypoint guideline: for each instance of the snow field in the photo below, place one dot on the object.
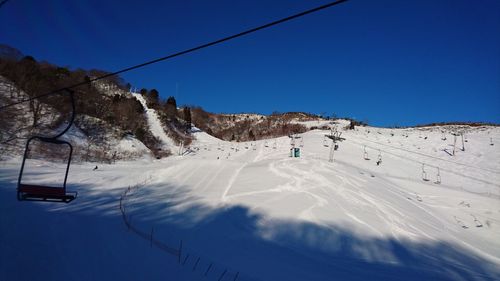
(252, 209)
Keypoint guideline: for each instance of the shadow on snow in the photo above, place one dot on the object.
(87, 240)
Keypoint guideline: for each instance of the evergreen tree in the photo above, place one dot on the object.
(187, 116)
(352, 125)
(251, 135)
(171, 101)
(154, 97)
(171, 107)
(86, 78)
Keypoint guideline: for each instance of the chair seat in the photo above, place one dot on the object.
(40, 189)
(44, 193)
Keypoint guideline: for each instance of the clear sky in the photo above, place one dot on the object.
(388, 62)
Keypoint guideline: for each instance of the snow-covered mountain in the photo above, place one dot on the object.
(429, 210)
(102, 139)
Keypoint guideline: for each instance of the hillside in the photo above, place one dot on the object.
(249, 127)
(97, 136)
(112, 121)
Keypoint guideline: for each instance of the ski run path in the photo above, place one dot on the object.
(248, 211)
(154, 123)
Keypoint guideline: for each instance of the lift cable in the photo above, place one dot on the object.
(322, 7)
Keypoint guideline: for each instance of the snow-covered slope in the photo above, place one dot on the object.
(247, 211)
(155, 124)
(90, 136)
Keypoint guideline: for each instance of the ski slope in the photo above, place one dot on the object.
(248, 211)
(154, 123)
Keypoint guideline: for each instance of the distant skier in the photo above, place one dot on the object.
(95, 168)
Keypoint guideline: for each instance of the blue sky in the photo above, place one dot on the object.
(389, 62)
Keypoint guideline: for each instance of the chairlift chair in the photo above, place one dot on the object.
(379, 158)
(424, 173)
(460, 223)
(365, 154)
(438, 177)
(478, 223)
(424, 176)
(419, 199)
(40, 192)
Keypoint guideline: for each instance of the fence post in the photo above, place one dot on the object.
(208, 269)
(196, 264)
(222, 275)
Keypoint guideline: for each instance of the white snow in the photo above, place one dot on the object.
(340, 123)
(155, 123)
(263, 215)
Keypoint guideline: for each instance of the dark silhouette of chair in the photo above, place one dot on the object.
(40, 192)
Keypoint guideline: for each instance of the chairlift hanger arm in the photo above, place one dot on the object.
(36, 192)
(73, 112)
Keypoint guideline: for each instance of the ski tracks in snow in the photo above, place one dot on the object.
(296, 184)
(233, 178)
